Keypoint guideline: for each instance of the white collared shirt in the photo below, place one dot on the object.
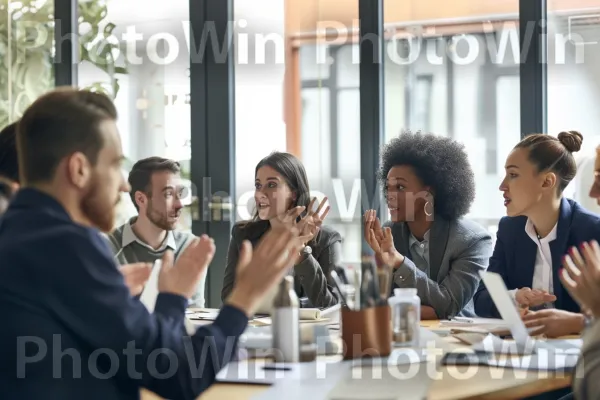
(129, 237)
(419, 251)
(542, 273)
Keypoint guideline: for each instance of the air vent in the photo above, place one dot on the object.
(587, 25)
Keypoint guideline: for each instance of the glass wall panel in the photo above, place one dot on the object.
(574, 83)
(306, 103)
(452, 69)
(26, 54)
(137, 52)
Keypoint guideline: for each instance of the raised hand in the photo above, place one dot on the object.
(136, 275)
(373, 231)
(310, 225)
(381, 241)
(288, 218)
(581, 277)
(259, 269)
(183, 277)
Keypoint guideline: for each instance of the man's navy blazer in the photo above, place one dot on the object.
(73, 331)
(515, 254)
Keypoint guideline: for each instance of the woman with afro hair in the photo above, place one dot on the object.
(429, 186)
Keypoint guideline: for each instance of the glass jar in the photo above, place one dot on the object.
(406, 317)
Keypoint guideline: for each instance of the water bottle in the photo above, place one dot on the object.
(406, 317)
(285, 322)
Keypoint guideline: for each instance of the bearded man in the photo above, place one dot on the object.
(157, 193)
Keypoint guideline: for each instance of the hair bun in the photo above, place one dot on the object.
(571, 140)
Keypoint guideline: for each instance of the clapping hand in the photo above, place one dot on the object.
(136, 275)
(581, 277)
(182, 277)
(310, 225)
(260, 268)
(381, 241)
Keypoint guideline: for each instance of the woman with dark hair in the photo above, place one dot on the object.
(429, 187)
(282, 196)
(541, 226)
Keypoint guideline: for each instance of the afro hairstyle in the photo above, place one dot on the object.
(439, 162)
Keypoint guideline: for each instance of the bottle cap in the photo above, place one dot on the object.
(405, 292)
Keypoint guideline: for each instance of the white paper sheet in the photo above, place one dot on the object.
(494, 344)
(150, 292)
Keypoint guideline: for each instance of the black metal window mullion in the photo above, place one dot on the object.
(66, 33)
(370, 13)
(534, 66)
(212, 100)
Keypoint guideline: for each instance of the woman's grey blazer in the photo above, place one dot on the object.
(458, 251)
(310, 275)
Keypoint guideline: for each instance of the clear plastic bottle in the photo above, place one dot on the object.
(406, 317)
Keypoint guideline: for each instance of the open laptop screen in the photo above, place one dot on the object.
(505, 305)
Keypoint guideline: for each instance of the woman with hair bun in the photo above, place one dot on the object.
(541, 226)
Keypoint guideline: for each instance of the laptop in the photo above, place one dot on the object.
(509, 313)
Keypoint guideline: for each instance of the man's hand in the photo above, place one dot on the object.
(183, 277)
(260, 269)
(581, 277)
(136, 275)
(553, 322)
(526, 297)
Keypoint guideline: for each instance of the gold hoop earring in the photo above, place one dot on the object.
(425, 209)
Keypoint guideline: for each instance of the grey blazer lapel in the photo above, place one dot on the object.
(438, 239)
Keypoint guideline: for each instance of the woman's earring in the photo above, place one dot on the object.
(429, 214)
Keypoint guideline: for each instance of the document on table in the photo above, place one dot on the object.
(494, 344)
(150, 292)
(307, 315)
(385, 383)
(541, 361)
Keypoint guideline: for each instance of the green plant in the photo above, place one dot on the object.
(27, 51)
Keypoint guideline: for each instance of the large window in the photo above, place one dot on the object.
(324, 62)
(26, 55)
(259, 89)
(137, 52)
(457, 75)
(574, 84)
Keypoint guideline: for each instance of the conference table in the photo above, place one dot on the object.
(451, 382)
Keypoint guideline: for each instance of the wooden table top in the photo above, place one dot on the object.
(451, 383)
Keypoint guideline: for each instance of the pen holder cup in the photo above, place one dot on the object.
(367, 332)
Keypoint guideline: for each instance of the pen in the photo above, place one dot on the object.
(357, 294)
(276, 368)
(463, 319)
(375, 282)
(338, 285)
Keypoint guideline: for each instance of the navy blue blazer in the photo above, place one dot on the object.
(515, 253)
(73, 331)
